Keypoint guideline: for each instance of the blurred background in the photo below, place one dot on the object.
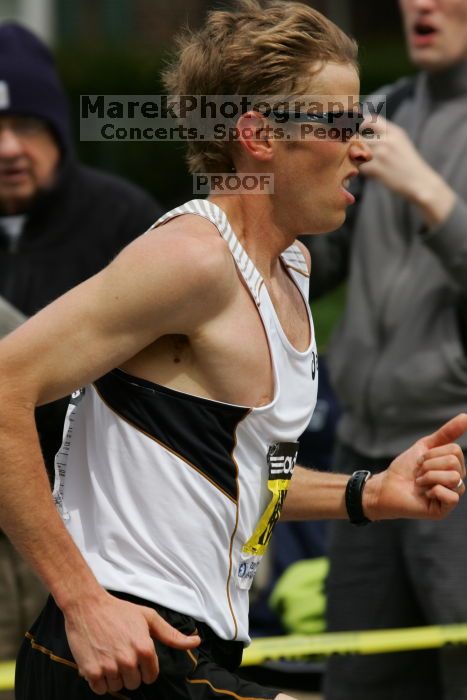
(120, 46)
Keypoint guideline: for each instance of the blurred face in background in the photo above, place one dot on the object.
(436, 32)
(29, 156)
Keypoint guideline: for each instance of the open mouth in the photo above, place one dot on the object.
(13, 174)
(423, 33)
(421, 29)
(348, 179)
(345, 184)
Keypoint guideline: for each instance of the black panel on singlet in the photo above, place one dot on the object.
(200, 431)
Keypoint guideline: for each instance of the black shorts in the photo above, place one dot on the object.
(46, 670)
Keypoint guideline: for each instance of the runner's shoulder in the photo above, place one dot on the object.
(195, 248)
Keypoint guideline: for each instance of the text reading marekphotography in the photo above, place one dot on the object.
(111, 118)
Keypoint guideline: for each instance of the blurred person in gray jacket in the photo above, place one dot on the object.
(398, 361)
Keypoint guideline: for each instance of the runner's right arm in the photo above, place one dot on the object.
(148, 291)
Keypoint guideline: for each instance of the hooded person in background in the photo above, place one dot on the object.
(60, 223)
(398, 361)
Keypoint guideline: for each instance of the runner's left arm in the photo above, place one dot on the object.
(419, 483)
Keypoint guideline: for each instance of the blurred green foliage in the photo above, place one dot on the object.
(125, 70)
(382, 62)
(326, 312)
(128, 69)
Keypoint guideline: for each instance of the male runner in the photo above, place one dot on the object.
(196, 352)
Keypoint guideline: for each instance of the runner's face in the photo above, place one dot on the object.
(28, 160)
(311, 174)
(436, 32)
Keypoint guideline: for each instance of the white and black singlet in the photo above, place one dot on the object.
(172, 497)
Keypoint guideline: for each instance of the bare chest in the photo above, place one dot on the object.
(229, 360)
(291, 311)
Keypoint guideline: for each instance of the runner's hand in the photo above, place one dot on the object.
(422, 481)
(112, 642)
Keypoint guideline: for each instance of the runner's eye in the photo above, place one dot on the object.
(347, 122)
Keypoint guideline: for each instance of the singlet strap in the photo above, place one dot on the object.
(295, 260)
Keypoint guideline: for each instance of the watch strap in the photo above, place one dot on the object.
(353, 497)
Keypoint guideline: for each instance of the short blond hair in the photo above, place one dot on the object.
(261, 47)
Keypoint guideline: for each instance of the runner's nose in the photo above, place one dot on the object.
(360, 152)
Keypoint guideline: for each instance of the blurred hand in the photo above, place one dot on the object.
(112, 642)
(422, 482)
(396, 162)
(398, 165)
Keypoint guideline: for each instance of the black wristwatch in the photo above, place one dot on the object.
(353, 497)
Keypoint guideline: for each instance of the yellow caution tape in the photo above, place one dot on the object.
(7, 675)
(368, 642)
(295, 646)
